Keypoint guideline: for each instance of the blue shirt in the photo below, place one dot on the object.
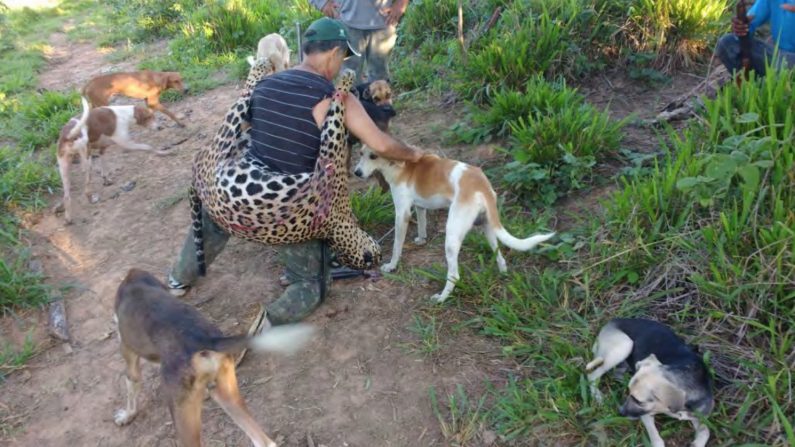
(782, 22)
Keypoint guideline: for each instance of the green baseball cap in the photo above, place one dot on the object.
(328, 29)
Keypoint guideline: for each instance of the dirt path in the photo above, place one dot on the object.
(358, 384)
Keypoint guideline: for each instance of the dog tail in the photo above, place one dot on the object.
(82, 122)
(284, 339)
(503, 235)
(198, 234)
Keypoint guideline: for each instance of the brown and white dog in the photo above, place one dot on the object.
(192, 352)
(94, 131)
(273, 47)
(145, 84)
(378, 92)
(433, 183)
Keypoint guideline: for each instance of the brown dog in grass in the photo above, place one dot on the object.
(192, 352)
(145, 84)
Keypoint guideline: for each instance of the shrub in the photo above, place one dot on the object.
(24, 178)
(555, 137)
(230, 25)
(35, 120)
(536, 97)
(554, 152)
(677, 31)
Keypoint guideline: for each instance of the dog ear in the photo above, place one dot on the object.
(671, 396)
(651, 360)
(367, 93)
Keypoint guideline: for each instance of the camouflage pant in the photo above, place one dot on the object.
(306, 265)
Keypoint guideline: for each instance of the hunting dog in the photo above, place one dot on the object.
(376, 98)
(145, 84)
(94, 131)
(669, 377)
(192, 352)
(273, 47)
(434, 183)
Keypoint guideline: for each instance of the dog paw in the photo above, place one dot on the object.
(438, 298)
(122, 417)
(597, 396)
(420, 240)
(387, 268)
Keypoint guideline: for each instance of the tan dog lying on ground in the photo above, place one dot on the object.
(94, 131)
(434, 183)
(192, 353)
(273, 47)
(145, 84)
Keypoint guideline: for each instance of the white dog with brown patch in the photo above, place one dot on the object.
(96, 129)
(433, 183)
(273, 47)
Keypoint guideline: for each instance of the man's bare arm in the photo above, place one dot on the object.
(362, 126)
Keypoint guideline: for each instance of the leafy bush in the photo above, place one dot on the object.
(554, 151)
(24, 178)
(35, 120)
(536, 97)
(373, 208)
(555, 137)
(146, 20)
(677, 31)
(230, 25)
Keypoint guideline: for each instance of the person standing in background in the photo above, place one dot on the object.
(371, 26)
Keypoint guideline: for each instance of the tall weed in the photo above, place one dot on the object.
(677, 31)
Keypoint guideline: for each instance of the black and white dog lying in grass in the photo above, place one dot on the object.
(669, 377)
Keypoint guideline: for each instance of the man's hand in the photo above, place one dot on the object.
(394, 13)
(740, 26)
(417, 153)
(788, 7)
(330, 9)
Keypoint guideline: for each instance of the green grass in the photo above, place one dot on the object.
(461, 420)
(11, 359)
(555, 139)
(373, 208)
(426, 329)
(703, 242)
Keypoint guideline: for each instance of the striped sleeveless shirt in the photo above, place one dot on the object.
(284, 134)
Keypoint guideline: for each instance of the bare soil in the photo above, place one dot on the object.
(362, 382)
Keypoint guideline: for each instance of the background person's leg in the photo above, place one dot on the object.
(307, 267)
(185, 270)
(381, 43)
(358, 39)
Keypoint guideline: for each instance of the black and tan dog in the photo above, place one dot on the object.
(192, 353)
(669, 377)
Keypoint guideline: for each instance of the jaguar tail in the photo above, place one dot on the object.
(198, 235)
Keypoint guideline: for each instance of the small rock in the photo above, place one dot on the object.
(201, 135)
(36, 266)
(129, 186)
(67, 348)
(489, 437)
(58, 326)
(24, 376)
(115, 195)
(93, 198)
